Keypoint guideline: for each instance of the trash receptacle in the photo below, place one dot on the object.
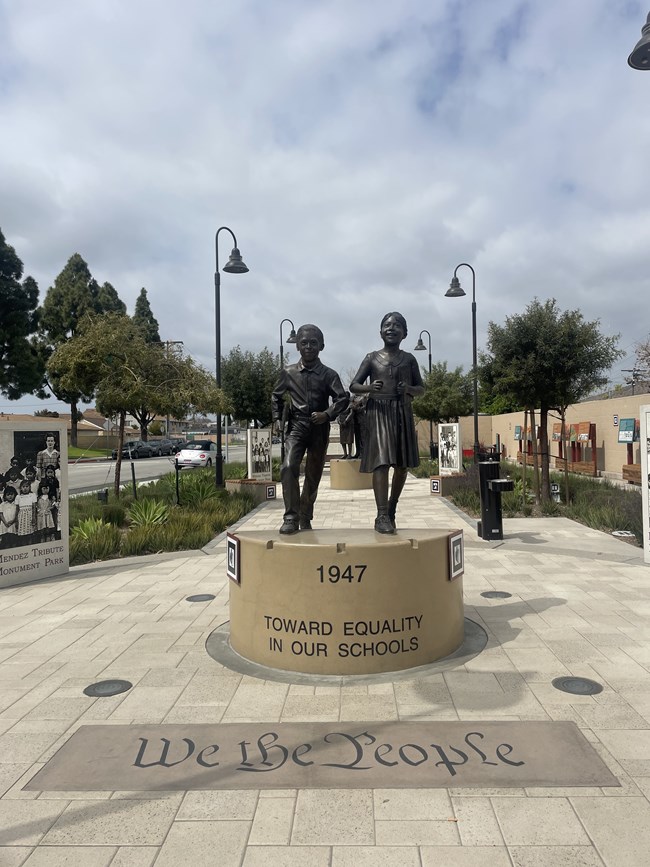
(491, 487)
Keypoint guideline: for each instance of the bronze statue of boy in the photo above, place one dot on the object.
(309, 386)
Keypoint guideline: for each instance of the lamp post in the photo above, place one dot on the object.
(420, 347)
(235, 265)
(290, 339)
(640, 57)
(456, 291)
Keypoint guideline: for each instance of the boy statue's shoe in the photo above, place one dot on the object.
(305, 524)
(289, 527)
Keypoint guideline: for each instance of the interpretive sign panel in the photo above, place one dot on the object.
(259, 454)
(33, 501)
(371, 755)
(645, 478)
(628, 430)
(450, 456)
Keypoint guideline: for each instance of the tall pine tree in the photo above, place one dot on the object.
(75, 294)
(109, 300)
(147, 323)
(144, 318)
(21, 368)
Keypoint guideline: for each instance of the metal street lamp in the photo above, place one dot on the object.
(235, 265)
(456, 291)
(420, 347)
(290, 339)
(640, 57)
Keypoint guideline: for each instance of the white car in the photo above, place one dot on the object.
(199, 453)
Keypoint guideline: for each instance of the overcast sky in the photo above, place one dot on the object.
(359, 151)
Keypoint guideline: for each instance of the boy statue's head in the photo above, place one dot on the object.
(309, 341)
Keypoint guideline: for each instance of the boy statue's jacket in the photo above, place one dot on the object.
(309, 390)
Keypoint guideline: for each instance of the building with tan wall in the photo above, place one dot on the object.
(604, 416)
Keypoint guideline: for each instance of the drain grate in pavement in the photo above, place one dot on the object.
(104, 688)
(577, 685)
(496, 594)
(200, 597)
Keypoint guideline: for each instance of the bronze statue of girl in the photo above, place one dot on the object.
(391, 379)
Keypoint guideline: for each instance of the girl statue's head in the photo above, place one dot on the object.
(398, 318)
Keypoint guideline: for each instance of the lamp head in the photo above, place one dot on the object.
(455, 289)
(235, 265)
(640, 57)
(292, 337)
(419, 345)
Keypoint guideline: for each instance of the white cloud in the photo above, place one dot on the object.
(359, 152)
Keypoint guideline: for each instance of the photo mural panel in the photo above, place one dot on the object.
(33, 501)
(259, 454)
(450, 455)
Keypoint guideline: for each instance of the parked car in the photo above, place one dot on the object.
(135, 449)
(198, 453)
(179, 444)
(163, 447)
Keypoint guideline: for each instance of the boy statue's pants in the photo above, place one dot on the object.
(303, 437)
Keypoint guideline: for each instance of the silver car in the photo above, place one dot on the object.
(200, 453)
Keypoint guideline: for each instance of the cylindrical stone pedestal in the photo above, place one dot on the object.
(345, 476)
(347, 601)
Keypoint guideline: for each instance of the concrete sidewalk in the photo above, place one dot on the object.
(580, 605)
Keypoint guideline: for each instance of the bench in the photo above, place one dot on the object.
(632, 473)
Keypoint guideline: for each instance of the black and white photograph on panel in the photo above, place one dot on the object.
(33, 501)
(450, 453)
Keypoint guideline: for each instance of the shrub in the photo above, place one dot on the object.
(148, 511)
(92, 539)
(114, 513)
(84, 507)
(426, 468)
(198, 489)
(235, 471)
(551, 509)
(140, 540)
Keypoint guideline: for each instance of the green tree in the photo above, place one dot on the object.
(74, 294)
(490, 401)
(21, 364)
(144, 318)
(110, 357)
(447, 394)
(248, 380)
(109, 301)
(548, 359)
(642, 364)
(148, 325)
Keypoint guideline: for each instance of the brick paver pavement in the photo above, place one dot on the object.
(580, 605)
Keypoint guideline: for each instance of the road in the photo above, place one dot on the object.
(94, 475)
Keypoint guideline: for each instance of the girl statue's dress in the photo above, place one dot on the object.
(391, 379)
(390, 427)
